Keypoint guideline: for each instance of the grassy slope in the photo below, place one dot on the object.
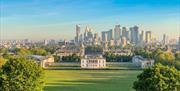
(90, 80)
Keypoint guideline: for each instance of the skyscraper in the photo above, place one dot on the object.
(110, 35)
(77, 33)
(117, 32)
(124, 42)
(141, 38)
(134, 34)
(127, 35)
(165, 39)
(103, 36)
(124, 31)
(86, 33)
(148, 36)
(96, 38)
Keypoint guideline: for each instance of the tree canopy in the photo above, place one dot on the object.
(39, 51)
(93, 50)
(21, 75)
(158, 78)
(166, 58)
(2, 61)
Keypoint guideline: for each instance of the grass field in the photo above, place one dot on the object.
(90, 80)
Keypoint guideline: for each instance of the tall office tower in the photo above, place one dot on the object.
(81, 38)
(131, 34)
(96, 38)
(165, 39)
(90, 35)
(117, 32)
(134, 35)
(141, 38)
(110, 35)
(103, 36)
(124, 31)
(86, 33)
(111, 43)
(104, 39)
(127, 35)
(124, 42)
(77, 33)
(148, 36)
(45, 42)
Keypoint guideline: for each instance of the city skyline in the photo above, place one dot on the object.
(37, 20)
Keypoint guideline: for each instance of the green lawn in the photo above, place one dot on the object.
(90, 80)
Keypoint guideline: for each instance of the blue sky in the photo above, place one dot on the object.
(56, 19)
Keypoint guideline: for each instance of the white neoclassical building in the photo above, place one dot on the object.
(142, 62)
(43, 61)
(93, 62)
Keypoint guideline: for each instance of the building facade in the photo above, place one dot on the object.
(93, 62)
(139, 61)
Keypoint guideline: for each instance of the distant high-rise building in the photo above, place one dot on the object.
(104, 39)
(45, 42)
(117, 32)
(86, 33)
(110, 35)
(124, 31)
(124, 42)
(128, 35)
(81, 38)
(77, 33)
(134, 34)
(141, 38)
(111, 42)
(96, 38)
(148, 36)
(103, 36)
(165, 39)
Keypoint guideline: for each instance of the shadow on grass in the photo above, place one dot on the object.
(95, 81)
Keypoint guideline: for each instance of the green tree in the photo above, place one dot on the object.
(158, 78)
(177, 55)
(39, 51)
(21, 75)
(166, 58)
(2, 61)
(22, 51)
(4, 50)
(156, 53)
(177, 65)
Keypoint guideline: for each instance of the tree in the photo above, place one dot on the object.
(22, 51)
(3, 50)
(177, 65)
(93, 50)
(39, 51)
(166, 58)
(158, 78)
(71, 58)
(177, 55)
(2, 61)
(143, 52)
(21, 75)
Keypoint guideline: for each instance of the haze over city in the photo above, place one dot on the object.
(89, 45)
(56, 19)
